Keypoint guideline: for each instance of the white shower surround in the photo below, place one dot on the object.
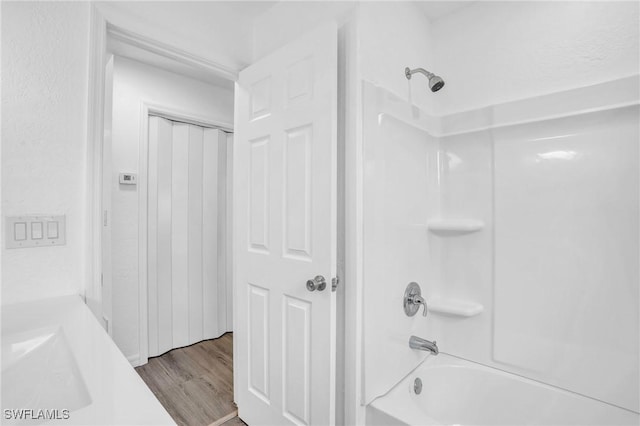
(476, 167)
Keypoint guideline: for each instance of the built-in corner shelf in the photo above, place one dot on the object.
(456, 307)
(454, 226)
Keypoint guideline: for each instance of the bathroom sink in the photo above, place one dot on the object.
(39, 371)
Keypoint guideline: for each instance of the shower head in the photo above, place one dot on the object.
(435, 82)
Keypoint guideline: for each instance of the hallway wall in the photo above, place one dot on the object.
(134, 83)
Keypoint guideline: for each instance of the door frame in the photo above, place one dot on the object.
(351, 148)
(148, 109)
(100, 31)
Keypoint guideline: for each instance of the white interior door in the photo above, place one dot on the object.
(285, 233)
(186, 240)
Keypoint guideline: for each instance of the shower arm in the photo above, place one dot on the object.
(409, 72)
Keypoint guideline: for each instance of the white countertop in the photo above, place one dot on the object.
(118, 395)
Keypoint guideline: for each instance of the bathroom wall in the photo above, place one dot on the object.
(45, 49)
(392, 36)
(219, 32)
(44, 107)
(134, 83)
(493, 52)
(285, 21)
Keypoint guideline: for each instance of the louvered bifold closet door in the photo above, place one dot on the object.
(186, 289)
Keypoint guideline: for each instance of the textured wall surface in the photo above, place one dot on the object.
(218, 31)
(44, 99)
(285, 21)
(494, 52)
(134, 83)
(392, 36)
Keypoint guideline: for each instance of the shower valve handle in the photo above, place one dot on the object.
(413, 299)
(418, 300)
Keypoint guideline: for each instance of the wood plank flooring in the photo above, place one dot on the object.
(194, 383)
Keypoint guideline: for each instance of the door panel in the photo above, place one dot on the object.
(179, 236)
(259, 195)
(296, 361)
(285, 233)
(159, 242)
(259, 338)
(195, 255)
(297, 193)
(210, 234)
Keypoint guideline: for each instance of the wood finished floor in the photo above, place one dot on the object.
(195, 383)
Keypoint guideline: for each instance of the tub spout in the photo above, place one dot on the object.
(421, 344)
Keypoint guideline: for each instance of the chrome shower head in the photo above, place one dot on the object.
(435, 82)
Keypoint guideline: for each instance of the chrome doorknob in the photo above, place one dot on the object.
(318, 283)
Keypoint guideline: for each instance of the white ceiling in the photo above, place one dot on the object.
(434, 10)
(248, 8)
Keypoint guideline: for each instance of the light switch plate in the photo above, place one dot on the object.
(34, 231)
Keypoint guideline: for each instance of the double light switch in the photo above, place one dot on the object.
(34, 231)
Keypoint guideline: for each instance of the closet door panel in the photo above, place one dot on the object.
(179, 235)
(210, 233)
(195, 228)
(160, 302)
(152, 236)
(187, 234)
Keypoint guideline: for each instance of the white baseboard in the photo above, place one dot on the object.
(134, 360)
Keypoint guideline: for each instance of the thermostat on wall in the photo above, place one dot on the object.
(128, 178)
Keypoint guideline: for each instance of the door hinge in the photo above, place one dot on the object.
(104, 218)
(101, 280)
(334, 283)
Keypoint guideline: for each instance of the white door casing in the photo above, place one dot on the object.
(285, 171)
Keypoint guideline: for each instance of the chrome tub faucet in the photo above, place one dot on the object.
(421, 344)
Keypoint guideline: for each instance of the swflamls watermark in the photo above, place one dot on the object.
(38, 414)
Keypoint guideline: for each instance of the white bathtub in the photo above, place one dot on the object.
(460, 392)
(60, 367)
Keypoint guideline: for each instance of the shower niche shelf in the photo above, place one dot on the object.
(454, 226)
(455, 307)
